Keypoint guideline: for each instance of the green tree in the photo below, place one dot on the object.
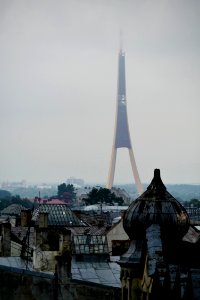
(195, 202)
(103, 195)
(63, 188)
(5, 194)
(24, 202)
(15, 200)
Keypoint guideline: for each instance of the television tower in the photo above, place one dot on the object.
(121, 134)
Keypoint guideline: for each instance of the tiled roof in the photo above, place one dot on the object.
(58, 215)
(77, 230)
(97, 230)
(56, 201)
(93, 218)
(13, 209)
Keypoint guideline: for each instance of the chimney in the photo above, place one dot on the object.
(43, 220)
(63, 265)
(6, 240)
(25, 217)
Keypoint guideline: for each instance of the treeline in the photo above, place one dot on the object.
(6, 199)
(103, 196)
(192, 203)
(31, 192)
(64, 192)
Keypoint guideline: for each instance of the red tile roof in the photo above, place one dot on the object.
(55, 201)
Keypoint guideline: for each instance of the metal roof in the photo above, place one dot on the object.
(107, 274)
(105, 207)
(156, 206)
(15, 262)
(18, 265)
(104, 273)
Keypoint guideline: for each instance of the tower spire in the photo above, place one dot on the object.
(121, 134)
(120, 41)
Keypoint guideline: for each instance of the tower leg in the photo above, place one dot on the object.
(135, 172)
(112, 168)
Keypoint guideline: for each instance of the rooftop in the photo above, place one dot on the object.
(58, 215)
(105, 273)
(13, 210)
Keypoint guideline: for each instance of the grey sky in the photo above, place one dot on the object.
(58, 75)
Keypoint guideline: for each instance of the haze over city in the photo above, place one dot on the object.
(58, 62)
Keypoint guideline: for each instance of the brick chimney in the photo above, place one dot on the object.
(5, 239)
(43, 220)
(25, 217)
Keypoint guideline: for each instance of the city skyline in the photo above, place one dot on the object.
(58, 89)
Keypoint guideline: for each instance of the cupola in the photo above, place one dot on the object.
(156, 206)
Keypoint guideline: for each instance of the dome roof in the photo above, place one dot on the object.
(156, 206)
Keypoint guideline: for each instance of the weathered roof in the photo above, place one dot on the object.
(95, 218)
(13, 209)
(58, 215)
(158, 227)
(15, 262)
(107, 274)
(18, 265)
(156, 206)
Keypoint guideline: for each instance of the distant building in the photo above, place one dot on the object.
(44, 186)
(75, 181)
(13, 185)
(119, 192)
